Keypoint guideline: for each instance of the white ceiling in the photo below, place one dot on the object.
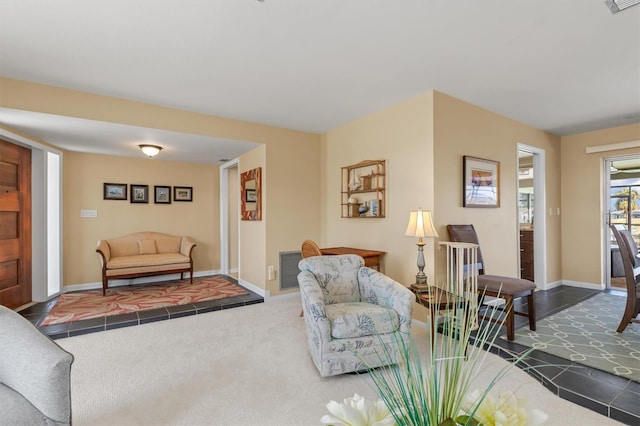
(565, 66)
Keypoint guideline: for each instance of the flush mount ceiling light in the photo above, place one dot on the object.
(150, 150)
(617, 5)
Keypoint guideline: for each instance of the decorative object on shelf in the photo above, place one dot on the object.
(365, 179)
(114, 191)
(182, 193)
(162, 194)
(363, 209)
(421, 226)
(251, 194)
(150, 150)
(354, 184)
(481, 182)
(139, 193)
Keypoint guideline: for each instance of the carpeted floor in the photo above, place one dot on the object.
(120, 300)
(586, 334)
(239, 367)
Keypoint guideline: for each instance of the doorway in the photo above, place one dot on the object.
(622, 198)
(531, 214)
(229, 214)
(15, 225)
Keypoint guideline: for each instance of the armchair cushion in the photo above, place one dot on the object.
(338, 277)
(358, 319)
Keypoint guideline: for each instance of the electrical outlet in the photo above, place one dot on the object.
(271, 272)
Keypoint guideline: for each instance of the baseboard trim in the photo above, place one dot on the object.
(591, 286)
(133, 281)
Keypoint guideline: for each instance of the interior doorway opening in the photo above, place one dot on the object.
(531, 215)
(229, 214)
(622, 198)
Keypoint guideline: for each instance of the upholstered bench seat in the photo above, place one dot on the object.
(147, 260)
(505, 285)
(144, 254)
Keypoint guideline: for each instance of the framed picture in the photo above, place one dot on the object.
(139, 193)
(182, 193)
(162, 194)
(250, 196)
(114, 191)
(481, 182)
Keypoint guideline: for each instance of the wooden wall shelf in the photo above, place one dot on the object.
(364, 190)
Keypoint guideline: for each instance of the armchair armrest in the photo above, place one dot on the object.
(315, 315)
(35, 367)
(186, 246)
(104, 251)
(380, 289)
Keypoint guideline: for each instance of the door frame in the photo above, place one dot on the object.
(224, 217)
(606, 210)
(539, 213)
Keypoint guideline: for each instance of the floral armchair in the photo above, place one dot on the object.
(352, 313)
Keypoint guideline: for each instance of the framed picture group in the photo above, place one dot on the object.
(136, 193)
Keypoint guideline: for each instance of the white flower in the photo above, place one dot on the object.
(506, 410)
(358, 411)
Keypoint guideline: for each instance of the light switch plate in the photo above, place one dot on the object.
(88, 213)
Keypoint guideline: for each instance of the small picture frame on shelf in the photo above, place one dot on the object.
(114, 191)
(162, 194)
(139, 193)
(182, 193)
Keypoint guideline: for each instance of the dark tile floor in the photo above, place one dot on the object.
(599, 391)
(602, 392)
(37, 313)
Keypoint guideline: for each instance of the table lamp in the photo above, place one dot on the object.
(421, 226)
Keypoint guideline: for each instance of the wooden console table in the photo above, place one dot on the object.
(371, 257)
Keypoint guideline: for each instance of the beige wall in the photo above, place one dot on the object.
(253, 233)
(582, 201)
(83, 177)
(402, 135)
(465, 129)
(292, 159)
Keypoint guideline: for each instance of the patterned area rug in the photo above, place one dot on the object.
(586, 334)
(121, 300)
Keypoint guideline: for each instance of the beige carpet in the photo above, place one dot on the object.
(243, 366)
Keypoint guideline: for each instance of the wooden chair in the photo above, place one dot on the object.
(310, 248)
(507, 288)
(631, 265)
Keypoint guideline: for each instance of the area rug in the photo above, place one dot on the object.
(586, 334)
(121, 300)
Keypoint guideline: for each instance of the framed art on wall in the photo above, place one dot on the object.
(162, 194)
(182, 193)
(139, 193)
(251, 194)
(114, 191)
(481, 182)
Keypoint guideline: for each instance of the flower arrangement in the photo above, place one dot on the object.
(436, 391)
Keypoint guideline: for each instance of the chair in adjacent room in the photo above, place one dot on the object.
(631, 266)
(507, 288)
(354, 315)
(35, 375)
(310, 248)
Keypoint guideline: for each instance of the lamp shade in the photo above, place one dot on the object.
(150, 150)
(421, 225)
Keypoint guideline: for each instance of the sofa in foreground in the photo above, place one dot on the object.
(144, 254)
(354, 315)
(35, 375)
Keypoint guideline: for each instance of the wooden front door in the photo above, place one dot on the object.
(15, 225)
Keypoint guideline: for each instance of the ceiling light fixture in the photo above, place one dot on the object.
(150, 150)
(617, 5)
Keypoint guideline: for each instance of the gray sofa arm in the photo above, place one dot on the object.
(35, 366)
(382, 290)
